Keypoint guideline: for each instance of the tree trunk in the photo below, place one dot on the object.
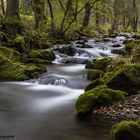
(134, 21)
(12, 22)
(71, 8)
(67, 14)
(97, 19)
(52, 15)
(12, 11)
(38, 7)
(86, 18)
(2, 7)
(115, 20)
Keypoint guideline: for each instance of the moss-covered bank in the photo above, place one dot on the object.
(118, 76)
(97, 97)
(12, 68)
(19, 61)
(126, 130)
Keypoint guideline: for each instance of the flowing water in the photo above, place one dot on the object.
(44, 108)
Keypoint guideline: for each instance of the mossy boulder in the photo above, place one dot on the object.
(42, 54)
(20, 43)
(12, 69)
(126, 130)
(94, 84)
(97, 97)
(10, 53)
(34, 71)
(93, 74)
(100, 64)
(129, 47)
(19, 71)
(35, 54)
(126, 78)
(38, 61)
(47, 55)
(69, 50)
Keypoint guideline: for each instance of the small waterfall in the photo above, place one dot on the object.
(60, 82)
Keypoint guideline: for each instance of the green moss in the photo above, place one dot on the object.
(18, 71)
(126, 78)
(47, 55)
(94, 74)
(100, 64)
(97, 97)
(129, 47)
(94, 84)
(28, 21)
(35, 54)
(112, 35)
(19, 43)
(38, 61)
(126, 131)
(20, 40)
(10, 53)
(102, 40)
(12, 69)
(127, 41)
(42, 54)
(33, 71)
(3, 60)
(12, 26)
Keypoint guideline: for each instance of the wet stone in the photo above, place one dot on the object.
(116, 45)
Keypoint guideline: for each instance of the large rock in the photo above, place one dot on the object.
(74, 60)
(93, 74)
(42, 54)
(12, 69)
(126, 78)
(126, 130)
(97, 97)
(94, 84)
(10, 53)
(66, 49)
(100, 64)
(131, 46)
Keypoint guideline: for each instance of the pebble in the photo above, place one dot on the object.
(127, 110)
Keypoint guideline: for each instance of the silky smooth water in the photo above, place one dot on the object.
(44, 108)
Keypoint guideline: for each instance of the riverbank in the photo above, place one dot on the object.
(125, 110)
(113, 94)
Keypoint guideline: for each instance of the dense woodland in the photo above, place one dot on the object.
(79, 16)
(29, 28)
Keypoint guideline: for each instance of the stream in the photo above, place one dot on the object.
(44, 108)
